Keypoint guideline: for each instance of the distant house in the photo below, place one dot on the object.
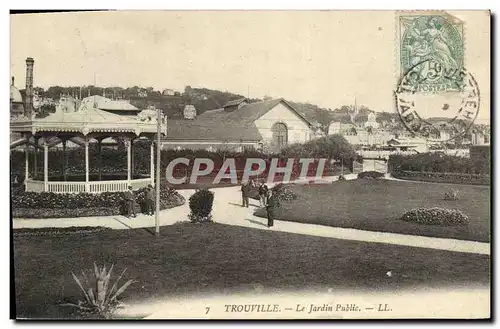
(168, 92)
(189, 112)
(239, 125)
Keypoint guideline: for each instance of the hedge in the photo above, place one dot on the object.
(435, 162)
(68, 205)
(43, 231)
(436, 216)
(438, 177)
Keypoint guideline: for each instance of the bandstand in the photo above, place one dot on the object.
(89, 123)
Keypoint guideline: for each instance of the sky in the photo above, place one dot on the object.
(328, 58)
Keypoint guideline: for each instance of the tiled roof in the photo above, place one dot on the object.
(235, 102)
(221, 125)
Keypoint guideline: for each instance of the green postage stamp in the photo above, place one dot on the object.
(430, 46)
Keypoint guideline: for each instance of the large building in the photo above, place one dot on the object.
(267, 125)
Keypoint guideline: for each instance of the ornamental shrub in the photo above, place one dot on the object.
(62, 205)
(436, 216)
(201, 203)
(283, 192)
(370, 175)
(451, 195)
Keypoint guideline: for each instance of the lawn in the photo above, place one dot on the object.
(190, 258)
(377, 205)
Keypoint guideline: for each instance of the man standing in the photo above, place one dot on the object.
(130, 200)
(245, 191)
(150, 200)
(263, 194)
(272, 205)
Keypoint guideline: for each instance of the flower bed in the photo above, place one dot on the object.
(438, 177)
(67, 205)
(283, 193)
(370, 175)
(436, 216)
(44, 231)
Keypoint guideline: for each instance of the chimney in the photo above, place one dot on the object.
(28, 109)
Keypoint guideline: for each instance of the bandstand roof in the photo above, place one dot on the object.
(89, 120)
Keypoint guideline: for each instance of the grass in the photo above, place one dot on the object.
(377, 205)
(201, 258)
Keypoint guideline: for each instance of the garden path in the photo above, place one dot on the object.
(227, 209)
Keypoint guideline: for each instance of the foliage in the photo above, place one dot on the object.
(50, 231)
(436, 162)
(99, 297)
(451, 195)
(67, 205)
(370, 175)
(283, 192)
(443, 177)
(436, 216)
(201, 203)
(331, 147)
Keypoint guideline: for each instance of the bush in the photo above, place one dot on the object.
(436, 216)
(67, 205)
(283, 192)
(201, 203)
(451, 195)
(370, 175)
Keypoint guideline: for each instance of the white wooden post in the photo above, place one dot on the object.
(26, 163)
(129, 160)
(46, 166)
(87, 186)
(152, 164)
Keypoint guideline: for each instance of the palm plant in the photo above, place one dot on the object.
(99, 298)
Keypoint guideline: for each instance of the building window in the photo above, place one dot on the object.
(280, 135)
(248, 148)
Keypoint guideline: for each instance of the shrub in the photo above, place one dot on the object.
(66, 205)
(201, 203)
(99, 297)
(370, 175)
(436, 216)
(435, 162)
(283, 192)
(451, 195)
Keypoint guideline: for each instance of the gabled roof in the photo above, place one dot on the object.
(194, 130)
(104, 103)
(220, 125)
(235, 102)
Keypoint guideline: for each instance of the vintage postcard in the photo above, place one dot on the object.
(251, 164)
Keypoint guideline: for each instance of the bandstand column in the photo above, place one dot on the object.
(64, 159)
(35, 159)
(87, 187)
(26, 164)
(152, 163)
(46, 166)
(128, 142)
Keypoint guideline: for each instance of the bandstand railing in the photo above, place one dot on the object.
(93, 187)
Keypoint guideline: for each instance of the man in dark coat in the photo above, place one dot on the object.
(272, 208)
(263, 194)
(245, 191)
(130, 200)
(150, 200)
